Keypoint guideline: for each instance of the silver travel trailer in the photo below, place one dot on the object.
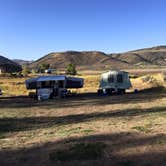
(114, 81)
(52, 86)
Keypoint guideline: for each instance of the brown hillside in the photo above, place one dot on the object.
(148, 56)
(8, 66)
(83, 60)
(95, 60)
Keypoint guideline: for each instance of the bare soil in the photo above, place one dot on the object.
(61, 132)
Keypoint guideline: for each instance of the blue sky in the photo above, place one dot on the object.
(30, 29)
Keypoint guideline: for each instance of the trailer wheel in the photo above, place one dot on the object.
(99, 92)
(121, 91)
(109, 92)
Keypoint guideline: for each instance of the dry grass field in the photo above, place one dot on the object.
(85, 129)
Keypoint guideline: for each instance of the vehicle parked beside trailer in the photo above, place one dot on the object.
(114, 81)
(49, 71)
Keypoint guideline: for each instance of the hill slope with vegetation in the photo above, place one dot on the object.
(9, 66)
(95, 60)
(90, 60)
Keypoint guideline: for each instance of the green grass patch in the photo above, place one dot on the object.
(77, 130)
(144, 129)
(87, 131)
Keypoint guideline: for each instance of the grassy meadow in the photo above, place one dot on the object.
(85, 129)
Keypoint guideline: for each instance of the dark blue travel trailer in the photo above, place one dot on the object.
(52, 86)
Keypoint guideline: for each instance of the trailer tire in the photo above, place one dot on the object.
(100, 92)
(121, 91)
(109, 92)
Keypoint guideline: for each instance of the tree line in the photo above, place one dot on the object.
(42, 68)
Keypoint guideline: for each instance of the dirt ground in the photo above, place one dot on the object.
(84, 130)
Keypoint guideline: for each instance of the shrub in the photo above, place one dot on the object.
(25, 70)
(71, 69)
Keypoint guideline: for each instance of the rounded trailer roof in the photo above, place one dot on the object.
(115, 72)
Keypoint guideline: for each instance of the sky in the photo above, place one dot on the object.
(30, 29)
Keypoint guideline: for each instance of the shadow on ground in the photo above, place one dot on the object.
(30, 123)
(84, 99)
(120, 149)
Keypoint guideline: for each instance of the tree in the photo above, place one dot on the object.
(33, 71)
(25, 70)
(71, 69)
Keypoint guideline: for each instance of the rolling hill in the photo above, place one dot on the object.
(83, 60)
(155, 56)
(95, 60)
(8, 66)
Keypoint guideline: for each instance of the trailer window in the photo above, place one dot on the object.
(61, 84)
(52, 84)
(119, 78)
(110, 78)
(45, 84)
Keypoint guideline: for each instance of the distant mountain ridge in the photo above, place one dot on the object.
(149, 56)
(96, 60)
(22, 62)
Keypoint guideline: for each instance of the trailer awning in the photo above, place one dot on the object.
(70, 82)
(31, 80)
(51, 78)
